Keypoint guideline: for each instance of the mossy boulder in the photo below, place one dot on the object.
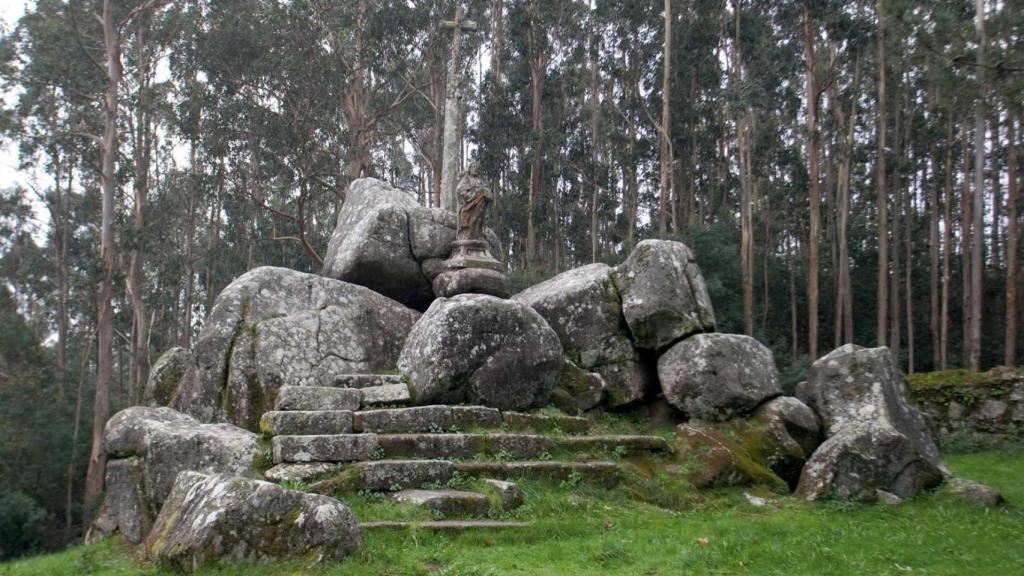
(976, 408)
(768, 448)
(664, 296)
(165, 377)
(215, 519)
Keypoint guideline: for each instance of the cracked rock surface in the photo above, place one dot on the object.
(273, 327)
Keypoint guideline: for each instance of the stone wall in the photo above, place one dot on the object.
(964, 407)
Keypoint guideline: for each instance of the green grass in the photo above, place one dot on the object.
(641, 529)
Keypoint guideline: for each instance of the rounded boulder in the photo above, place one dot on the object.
(479, 349)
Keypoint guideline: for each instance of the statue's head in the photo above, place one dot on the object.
(473, 169)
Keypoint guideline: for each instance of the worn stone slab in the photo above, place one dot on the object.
(446, 502)
(362, 380)
(446, 525)
(317, 398)
(541, 423)
(601, 472)
(304, 422)
(470, 417)
(304, 472)
(385, 475)
(332, 448)
(626, 444)
(432, 445)
(387, 394)
(404, 420)
(509, 492)
(519, 445)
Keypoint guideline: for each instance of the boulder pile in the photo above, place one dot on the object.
(321, 360)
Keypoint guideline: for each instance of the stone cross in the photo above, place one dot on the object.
(452, 146)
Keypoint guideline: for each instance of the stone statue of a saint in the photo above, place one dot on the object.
(475, 198)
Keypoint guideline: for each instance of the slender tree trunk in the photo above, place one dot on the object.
(1012, 239)
(965, 251)
(947, 247)
(70, 480)
(880, 181)
(908, 228)
(595, 156)
(142, 153)
(813, 151)
(978, 210)
(996, 245)
(665, 136)
(844, 298)
(538, 68)
(933, 259)
(746, 197)
(896, 185)
(105, 295)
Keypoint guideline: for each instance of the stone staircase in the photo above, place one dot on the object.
(359, 435)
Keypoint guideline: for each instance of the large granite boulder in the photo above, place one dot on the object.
(148, 447)
(716, 377)
(482, 350)
(386, 241)
(664, 297)
(273, 327)
(219, 519)
(583, 307)
(875, 441)
(165, 376)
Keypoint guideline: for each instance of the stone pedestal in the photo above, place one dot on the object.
(471, 269)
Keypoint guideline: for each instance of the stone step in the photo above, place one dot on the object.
(512, 446)
(446, 502)
(316, 398)
(423, 419)
(501, 446)
(446, 525)
(306, 472)
(363, 380)
(299, 422)
(326, 448)
(598, 472)
(385, 395)
(395, 475)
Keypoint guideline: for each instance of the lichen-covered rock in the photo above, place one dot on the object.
(273, 327)
(218, 519)
(384, 239)
(975, 493)
(664, 296)
(481, 350)
(875, 439)
(716, 377)
(583, 307)
(148, 447)
(578, 390)
(165, 376)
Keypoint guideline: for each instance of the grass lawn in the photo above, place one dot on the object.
(645, 530)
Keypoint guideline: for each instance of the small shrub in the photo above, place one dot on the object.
(22, 521)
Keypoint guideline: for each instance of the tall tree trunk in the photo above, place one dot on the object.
(76, 427)
(880, 181)
(844, 292)
(105, 295)
(908, 215)
(978, 210)
(966, 205)
(1012, 239)
(813, 151)
(142, 154)
(595, 155)
(538, 68)
(746, 183)
(933, 259)
(665, 132)
(896, 185)
(947, 247)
